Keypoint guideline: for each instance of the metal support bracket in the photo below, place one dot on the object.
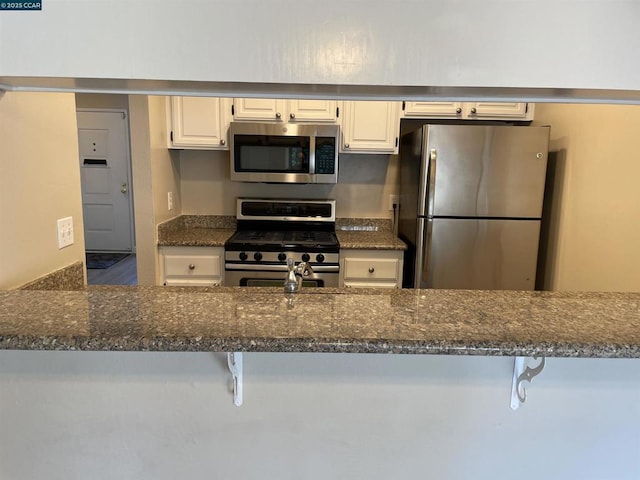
(234, 360)
(522, 372)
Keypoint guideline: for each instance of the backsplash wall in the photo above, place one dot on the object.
(364, 184)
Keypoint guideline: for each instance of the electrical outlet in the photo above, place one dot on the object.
(394, 200)
(65, 232)
(170, 200)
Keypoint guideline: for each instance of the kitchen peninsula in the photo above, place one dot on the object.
(553, 324)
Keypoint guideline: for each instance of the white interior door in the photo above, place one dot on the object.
(106, 187)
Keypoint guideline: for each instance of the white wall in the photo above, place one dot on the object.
(89, 100)
(39, 183)
(596, 217)
(155, 171)
(72, 415)
(364, 184)
(541, 43)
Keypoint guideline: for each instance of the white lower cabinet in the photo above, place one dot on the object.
(371, 268)
(192, 266)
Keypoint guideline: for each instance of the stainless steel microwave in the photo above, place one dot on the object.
(284, 153)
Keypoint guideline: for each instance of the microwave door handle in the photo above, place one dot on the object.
(312, 155)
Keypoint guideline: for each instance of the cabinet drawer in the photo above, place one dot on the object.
(371, 269)
(192, 265)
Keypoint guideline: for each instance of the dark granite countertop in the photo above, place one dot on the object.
(196, 231)
(196, 237)
(368, 234)
(323, 320)
(369, 240)
(214, 231)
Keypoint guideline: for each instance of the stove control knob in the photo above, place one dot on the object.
(257, 256)
(282, 257)
(305, 257)
(243, 256)
(319, 258)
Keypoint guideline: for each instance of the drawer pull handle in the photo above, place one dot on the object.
(192, 266)
(371, 269)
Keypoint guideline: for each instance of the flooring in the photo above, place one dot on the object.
(122, 273)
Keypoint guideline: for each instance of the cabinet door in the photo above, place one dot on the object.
(499, 110)
(370, 127)
(200, 122)
(433, 109)
(266, 109)
(313, 111)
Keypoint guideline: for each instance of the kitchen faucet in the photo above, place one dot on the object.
(293, 282)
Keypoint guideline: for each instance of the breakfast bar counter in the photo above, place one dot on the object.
(455, 322)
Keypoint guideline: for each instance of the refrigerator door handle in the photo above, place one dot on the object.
(431, 188)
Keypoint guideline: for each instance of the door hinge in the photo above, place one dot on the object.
(171, 136)
(233, 112)
(124, 115)
(396, 141)
(526, 107)
(403, 105)
(337, 112)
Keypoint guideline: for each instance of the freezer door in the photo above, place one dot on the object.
(486, 171)
(481, 254)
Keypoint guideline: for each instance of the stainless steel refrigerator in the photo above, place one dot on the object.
(471, 204)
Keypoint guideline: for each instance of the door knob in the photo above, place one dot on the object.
(223, 142)
(192, 266)
(292, 116)
(123, 187)
(371, 269)
(278, 115)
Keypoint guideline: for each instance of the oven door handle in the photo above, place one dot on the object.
(277, 268)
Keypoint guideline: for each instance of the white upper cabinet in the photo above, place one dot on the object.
(313, 111)
(433, 109)
(199, 123)
(500, 110)
(273, 110)
(370, 127)
(470, 111)
(265, 109)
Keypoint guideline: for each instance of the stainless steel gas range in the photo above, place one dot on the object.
(269, 232)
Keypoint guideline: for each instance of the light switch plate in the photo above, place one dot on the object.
(65, 232)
